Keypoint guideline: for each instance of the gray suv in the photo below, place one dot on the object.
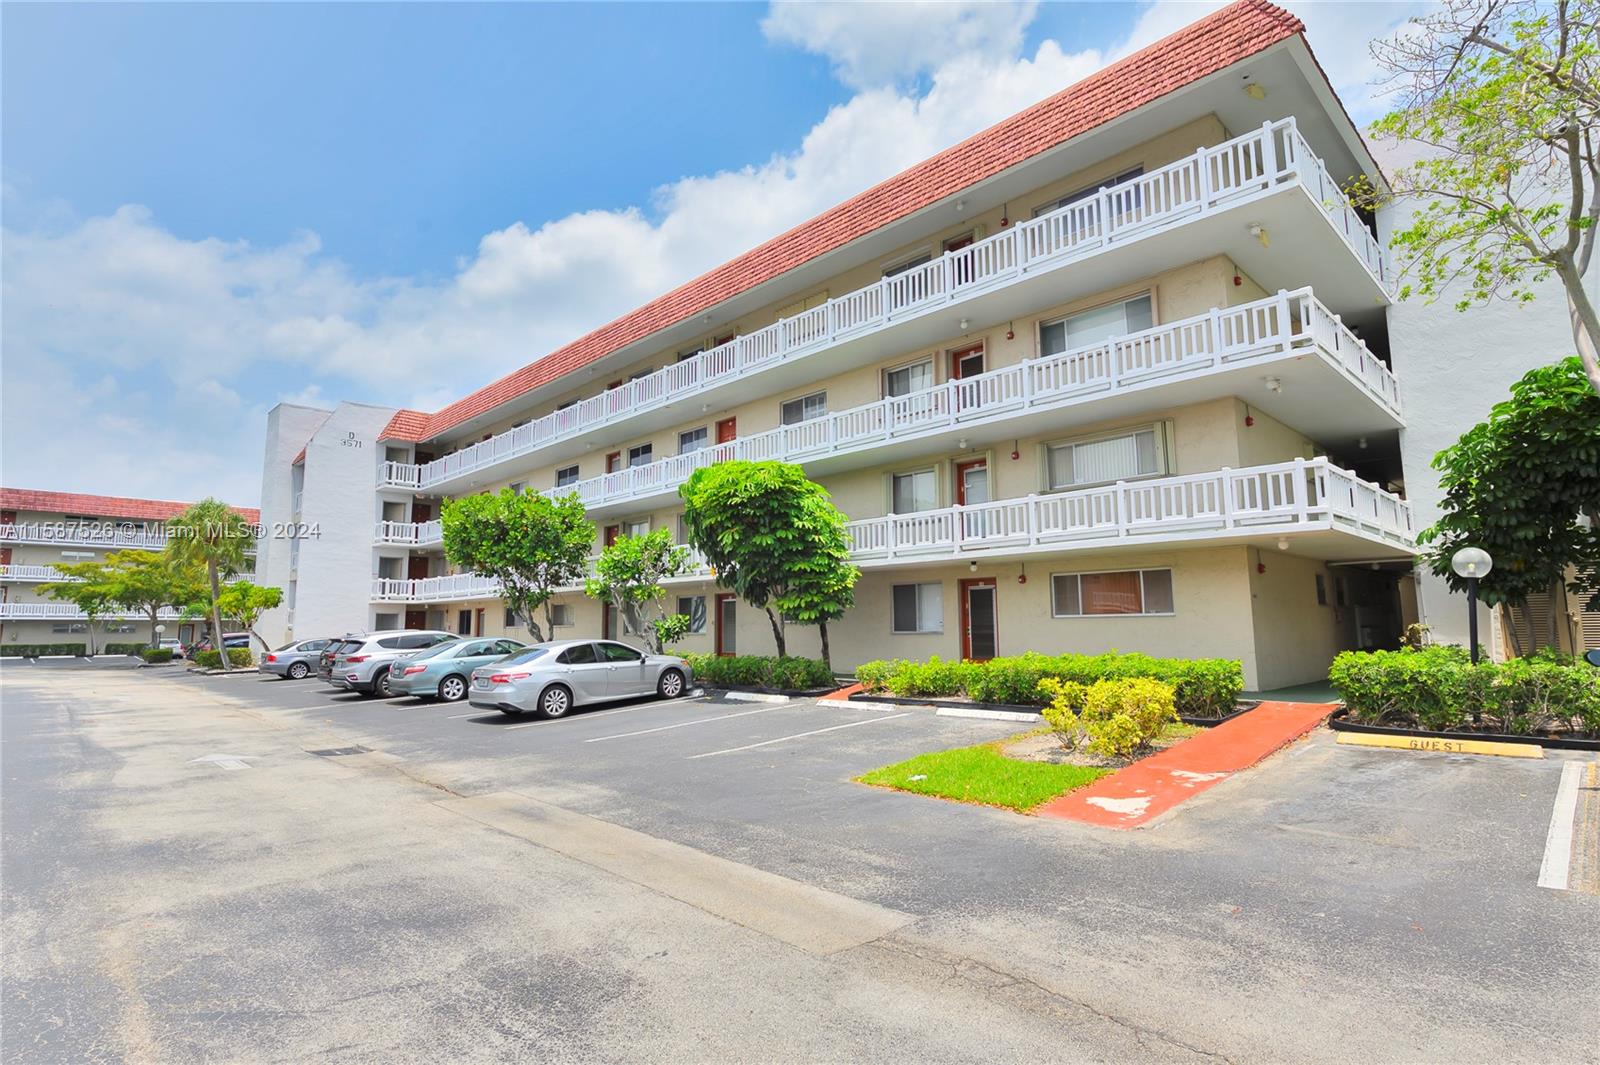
(362, 662)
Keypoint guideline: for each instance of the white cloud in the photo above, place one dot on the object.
(876, 44)
(145, 342)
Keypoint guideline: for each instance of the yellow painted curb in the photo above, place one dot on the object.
(1427, 743)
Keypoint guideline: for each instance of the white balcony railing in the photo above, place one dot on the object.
(88, 534)
(1210, 180)
(412, 533)
(1281, 499)
(69, 612)
(1288, 324)
(32, 573)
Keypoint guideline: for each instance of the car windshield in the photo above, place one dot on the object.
(527, 654)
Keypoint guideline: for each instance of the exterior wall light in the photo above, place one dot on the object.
(1469, 564)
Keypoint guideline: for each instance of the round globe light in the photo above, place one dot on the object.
(160, 629)
(1471, 562)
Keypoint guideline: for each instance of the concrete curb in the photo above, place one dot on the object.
(990, 715)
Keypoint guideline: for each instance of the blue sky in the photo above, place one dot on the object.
(211, 208)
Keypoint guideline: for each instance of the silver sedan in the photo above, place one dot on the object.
(554, 677)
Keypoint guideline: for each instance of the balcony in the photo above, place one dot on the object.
(21, 574)
(68, 612)
(1328, 512)
(1268, 179)
(1262, 502)
(1330, 386)
(409, 533)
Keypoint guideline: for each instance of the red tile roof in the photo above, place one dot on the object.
(1200, 49)
(406, 425)
(100, 506)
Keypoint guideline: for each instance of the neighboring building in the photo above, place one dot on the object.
(39, 530)
(1473, 358)
(1113, 373)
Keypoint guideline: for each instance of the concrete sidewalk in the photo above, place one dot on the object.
(1147, 789)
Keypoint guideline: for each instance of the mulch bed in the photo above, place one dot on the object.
(1015, 708)
(1341, 722)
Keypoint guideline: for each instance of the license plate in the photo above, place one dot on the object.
(480, 682)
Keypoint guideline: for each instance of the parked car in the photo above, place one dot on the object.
(294, 661)
(230, 640)
(554, 677)
(361, 664)
(168, 643)
(442, 671)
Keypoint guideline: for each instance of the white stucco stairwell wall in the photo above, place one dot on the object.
(289, 428)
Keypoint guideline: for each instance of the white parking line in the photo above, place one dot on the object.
(799, 735)
(683, 724)
(1556, 869)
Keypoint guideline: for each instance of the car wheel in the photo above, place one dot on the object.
(556, 701)
(670, 686)
(452, 689)
(380, 686)
(298, 671)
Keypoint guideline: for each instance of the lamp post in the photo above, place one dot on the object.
(1470, 563)
(159, 630)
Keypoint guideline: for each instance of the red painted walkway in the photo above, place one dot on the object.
(1150, 787)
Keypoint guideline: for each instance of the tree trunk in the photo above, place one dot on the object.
(777, 632)
(1585, 322)
(216, 615)
(89, 633)
(155, 637)
(827, 659)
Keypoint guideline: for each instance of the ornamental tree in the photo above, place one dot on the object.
(532, 544)
(1504, 97)
(212, 536)
(774, 539)
(1516, 484)
(245, 602)
(88, 587)
(628, 576)
(150, 581)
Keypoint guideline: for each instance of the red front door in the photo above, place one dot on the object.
(612, 532)
(416, 619)
(980, 634)
(417, 567)
(421, 512)
(965, 362)
(477, 622)
(614, 462)
(727, 429)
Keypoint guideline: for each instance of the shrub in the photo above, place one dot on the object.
(156, 654)
(1122, 717)
(1203, 687)
(34, 650)
(1437, 687)
(1066, 700)
(237, 656)
(124, 648)
(760, 671)
(1532, 694)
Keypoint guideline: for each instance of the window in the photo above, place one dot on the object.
(1088, 328)
(909, 264)
(511, 618)
(561, 614)
(640, 455)
(469, 649)
(683, 529)
(616, 652)
(636, 527)
(646, 372)
(1085, 193)
(694, 608)
(568, 403)
(904, 380)
(464, 622)
(578, 654)
(801, 306)
(418, 640)
(1322, 591)
(693, 440)
(567, 475)
(911, 492)
(1137, 591)
(77, 556)
(74, 626)
(917, 608)
(1132, 453)
(685, 356)
(517, 487)
(119, 626)
(506, 647)
(804, 409)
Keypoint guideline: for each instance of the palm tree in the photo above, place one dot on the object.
(214, 535)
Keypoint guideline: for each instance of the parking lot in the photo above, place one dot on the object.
(1327, 883)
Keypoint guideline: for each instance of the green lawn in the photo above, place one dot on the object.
(982, 774)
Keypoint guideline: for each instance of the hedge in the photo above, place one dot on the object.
(34, 650)
(1439, 689)
(124, 648)
(1204, 687)
(156, 654)
(760, 671)
(237, 656)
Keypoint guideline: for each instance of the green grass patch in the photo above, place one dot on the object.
(983, 775)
